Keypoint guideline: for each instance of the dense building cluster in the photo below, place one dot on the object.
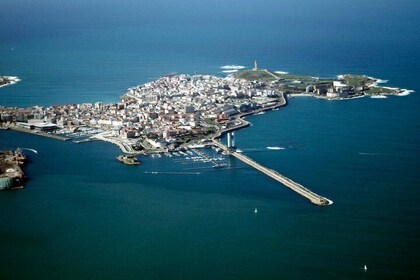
(159, 112)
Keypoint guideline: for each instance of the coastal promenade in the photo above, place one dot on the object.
(296, 187)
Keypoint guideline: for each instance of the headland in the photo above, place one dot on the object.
(178, 112)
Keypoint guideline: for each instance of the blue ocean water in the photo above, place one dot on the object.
(83, 215)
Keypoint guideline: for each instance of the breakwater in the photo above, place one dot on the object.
(298, 188)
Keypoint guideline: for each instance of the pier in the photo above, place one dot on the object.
(296, 187)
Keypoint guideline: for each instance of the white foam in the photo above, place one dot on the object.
(230, 71)
(330, 202)
(367, 154)
(232, 67)
(378, 96)
(276, 148)
(405, 92)
(281, 72)
(11, 80)
(377, 80)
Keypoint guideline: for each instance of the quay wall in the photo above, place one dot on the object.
(39, 133)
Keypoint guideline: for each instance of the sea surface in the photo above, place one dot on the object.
(83, 215)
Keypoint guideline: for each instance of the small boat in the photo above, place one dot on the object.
(365, 267)
(255, 210)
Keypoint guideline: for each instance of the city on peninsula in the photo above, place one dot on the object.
(178, 112)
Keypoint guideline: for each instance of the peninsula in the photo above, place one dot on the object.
(177, 112)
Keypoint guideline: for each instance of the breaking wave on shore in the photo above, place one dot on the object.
(378, 96)
(405, 92)
(378, 81)
(11, 80)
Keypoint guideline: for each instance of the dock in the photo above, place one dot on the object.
(39, 133)
(296, 187)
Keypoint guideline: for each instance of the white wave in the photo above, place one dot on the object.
(11, 80)
(368, 154)
(276, 148)
(232, 67)
(281, 72)
(378, 96)
(405, 92)
(330, 202)
(379, 81)
(230, 71)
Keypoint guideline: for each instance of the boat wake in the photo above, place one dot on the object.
(276, 148)
(173, 173)
(32, 150)
(368, 154)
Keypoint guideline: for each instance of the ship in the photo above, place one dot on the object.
(130, 160)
